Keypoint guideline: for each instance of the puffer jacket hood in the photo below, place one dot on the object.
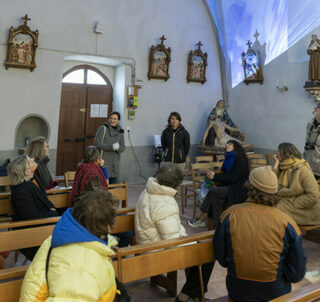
(157, 214)
(153, 187)
(68, 231)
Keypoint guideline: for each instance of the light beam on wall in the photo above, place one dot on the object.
(281, 23)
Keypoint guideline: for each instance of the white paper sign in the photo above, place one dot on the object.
(98, 110)
(94, 110)
(103, 112)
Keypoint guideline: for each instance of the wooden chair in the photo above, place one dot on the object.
(203, 159)
(198, 172)
(220, 157)
(257, 162)
(69, 177)
(269, 158)
(254, 155)
(186, 187)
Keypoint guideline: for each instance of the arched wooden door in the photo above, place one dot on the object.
(86, 101)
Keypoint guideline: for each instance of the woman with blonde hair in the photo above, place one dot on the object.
(28, 196)
(39, 150)
(298, 189)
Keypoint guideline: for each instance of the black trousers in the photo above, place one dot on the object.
(192, 287)
(214, 203)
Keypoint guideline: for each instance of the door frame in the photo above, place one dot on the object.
(86, 67)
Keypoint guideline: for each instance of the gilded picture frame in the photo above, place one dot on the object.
(22, 45)
(159, 61)
(197, 65)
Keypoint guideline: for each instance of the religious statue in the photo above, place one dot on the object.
(220, 129)
(314, 63)
(220, 114)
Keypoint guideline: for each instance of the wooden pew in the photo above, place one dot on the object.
(309, 293)
(120, 191)
(60, 197)
(147, 260)
(29, 237)
(5, 182)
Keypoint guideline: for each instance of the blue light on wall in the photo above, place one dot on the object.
(281, 23)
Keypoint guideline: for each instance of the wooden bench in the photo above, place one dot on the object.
(309, 293)
(60, 197)
(5, 182)
(147, 260)
(29, 237)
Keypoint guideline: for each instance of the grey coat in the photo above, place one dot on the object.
(111, 158)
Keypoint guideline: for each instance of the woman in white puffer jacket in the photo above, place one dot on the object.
(157, 218)
(157, 212)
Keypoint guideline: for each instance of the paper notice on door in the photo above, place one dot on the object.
(98, 110)
(103, 112)
(94, 110)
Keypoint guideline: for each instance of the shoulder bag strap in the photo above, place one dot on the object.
(104, 134)
(47, 265)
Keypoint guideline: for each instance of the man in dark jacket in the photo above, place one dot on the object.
(175, 140)
(260, 245)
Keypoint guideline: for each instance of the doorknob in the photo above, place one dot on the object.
(67, 140)
(83, 109)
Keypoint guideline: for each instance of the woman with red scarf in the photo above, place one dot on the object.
(89, 174)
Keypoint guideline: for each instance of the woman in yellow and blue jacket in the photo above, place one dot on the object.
(79, 266)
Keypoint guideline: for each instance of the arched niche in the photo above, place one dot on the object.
(32, 126)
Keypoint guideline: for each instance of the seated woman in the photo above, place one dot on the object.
(39, 150)
(78, 255)
(157, 218)
(298, 189)
(28, 197)
(89, 174)
(230, 189)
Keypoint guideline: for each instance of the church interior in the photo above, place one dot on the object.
(67, 66)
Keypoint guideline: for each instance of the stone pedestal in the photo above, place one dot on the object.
(313, 88)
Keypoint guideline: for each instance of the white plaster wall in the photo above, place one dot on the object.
(131, 27)
(24, 93)
(268, 116)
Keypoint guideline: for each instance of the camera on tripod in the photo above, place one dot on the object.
(157, 153)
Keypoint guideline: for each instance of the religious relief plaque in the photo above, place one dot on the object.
(159, 60)
(22, 45)
(252, 66)
(197, 64)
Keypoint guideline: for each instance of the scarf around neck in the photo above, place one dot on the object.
(229, 159)
(284, 168)
(43, 172)
(85, 173)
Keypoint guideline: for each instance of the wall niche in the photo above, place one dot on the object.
(30, 127)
